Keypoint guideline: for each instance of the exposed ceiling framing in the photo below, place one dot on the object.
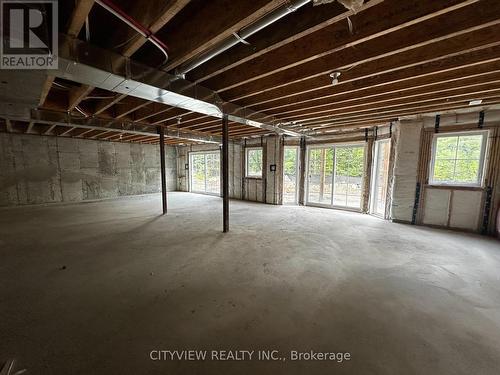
(396, 58)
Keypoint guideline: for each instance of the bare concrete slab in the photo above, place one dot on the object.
(93, 288)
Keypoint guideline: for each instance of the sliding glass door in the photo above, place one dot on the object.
(204, 168)
(335, 176)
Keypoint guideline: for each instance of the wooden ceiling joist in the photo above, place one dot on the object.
(383, 74)
(407, 43)
(391, 17)
(77, 94)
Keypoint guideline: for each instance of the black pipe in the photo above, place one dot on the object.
(162, 167)
(225, 174)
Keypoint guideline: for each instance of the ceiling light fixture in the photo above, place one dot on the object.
(335, 77)
(476, 102)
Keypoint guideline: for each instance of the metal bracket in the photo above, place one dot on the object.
(390, 130)
(481, 120)
(436, 124)
(240, 39)
(415, 205)
(487, 209)
(366, 135)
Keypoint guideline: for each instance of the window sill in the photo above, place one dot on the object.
(455, 187)
(253, 177)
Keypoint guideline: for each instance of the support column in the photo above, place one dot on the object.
(302, 171)
(225, 174)
(162, 168)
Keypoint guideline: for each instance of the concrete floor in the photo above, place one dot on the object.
(93, 288)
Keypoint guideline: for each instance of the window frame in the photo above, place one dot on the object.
(482, 158)
(191, 154)
(334, 146)
(247, 159)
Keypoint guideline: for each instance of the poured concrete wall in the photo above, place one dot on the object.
(35, 169)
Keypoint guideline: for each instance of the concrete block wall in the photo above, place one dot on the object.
(38, 169)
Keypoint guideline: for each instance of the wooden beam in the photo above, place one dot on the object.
(101, 133)
(29, 129)
(349, 106)
(77, 19)
(77, 94)
(45, 90)
(340, 115)
(172, 9)
(67, 131)
(395, 114)
(107, 103)
(131, 106)
(85, 132)
(50, 129)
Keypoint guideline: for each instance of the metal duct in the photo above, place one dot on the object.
(93, 66)
(275, 15)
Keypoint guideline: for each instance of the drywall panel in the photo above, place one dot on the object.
(466, 209)
(437, 204)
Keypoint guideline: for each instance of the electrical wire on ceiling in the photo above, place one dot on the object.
(85, 114)
(134, 24)
(57, 84)
(353, 5)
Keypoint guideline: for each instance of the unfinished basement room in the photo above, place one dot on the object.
(250, 187)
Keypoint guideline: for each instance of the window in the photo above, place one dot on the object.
(458, 159)
(254, 162)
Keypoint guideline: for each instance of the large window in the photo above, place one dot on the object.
(254, 162)
(335, 175)
(205, 172)
(458, 158)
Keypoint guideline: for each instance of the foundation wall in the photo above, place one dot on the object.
(36, 169)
